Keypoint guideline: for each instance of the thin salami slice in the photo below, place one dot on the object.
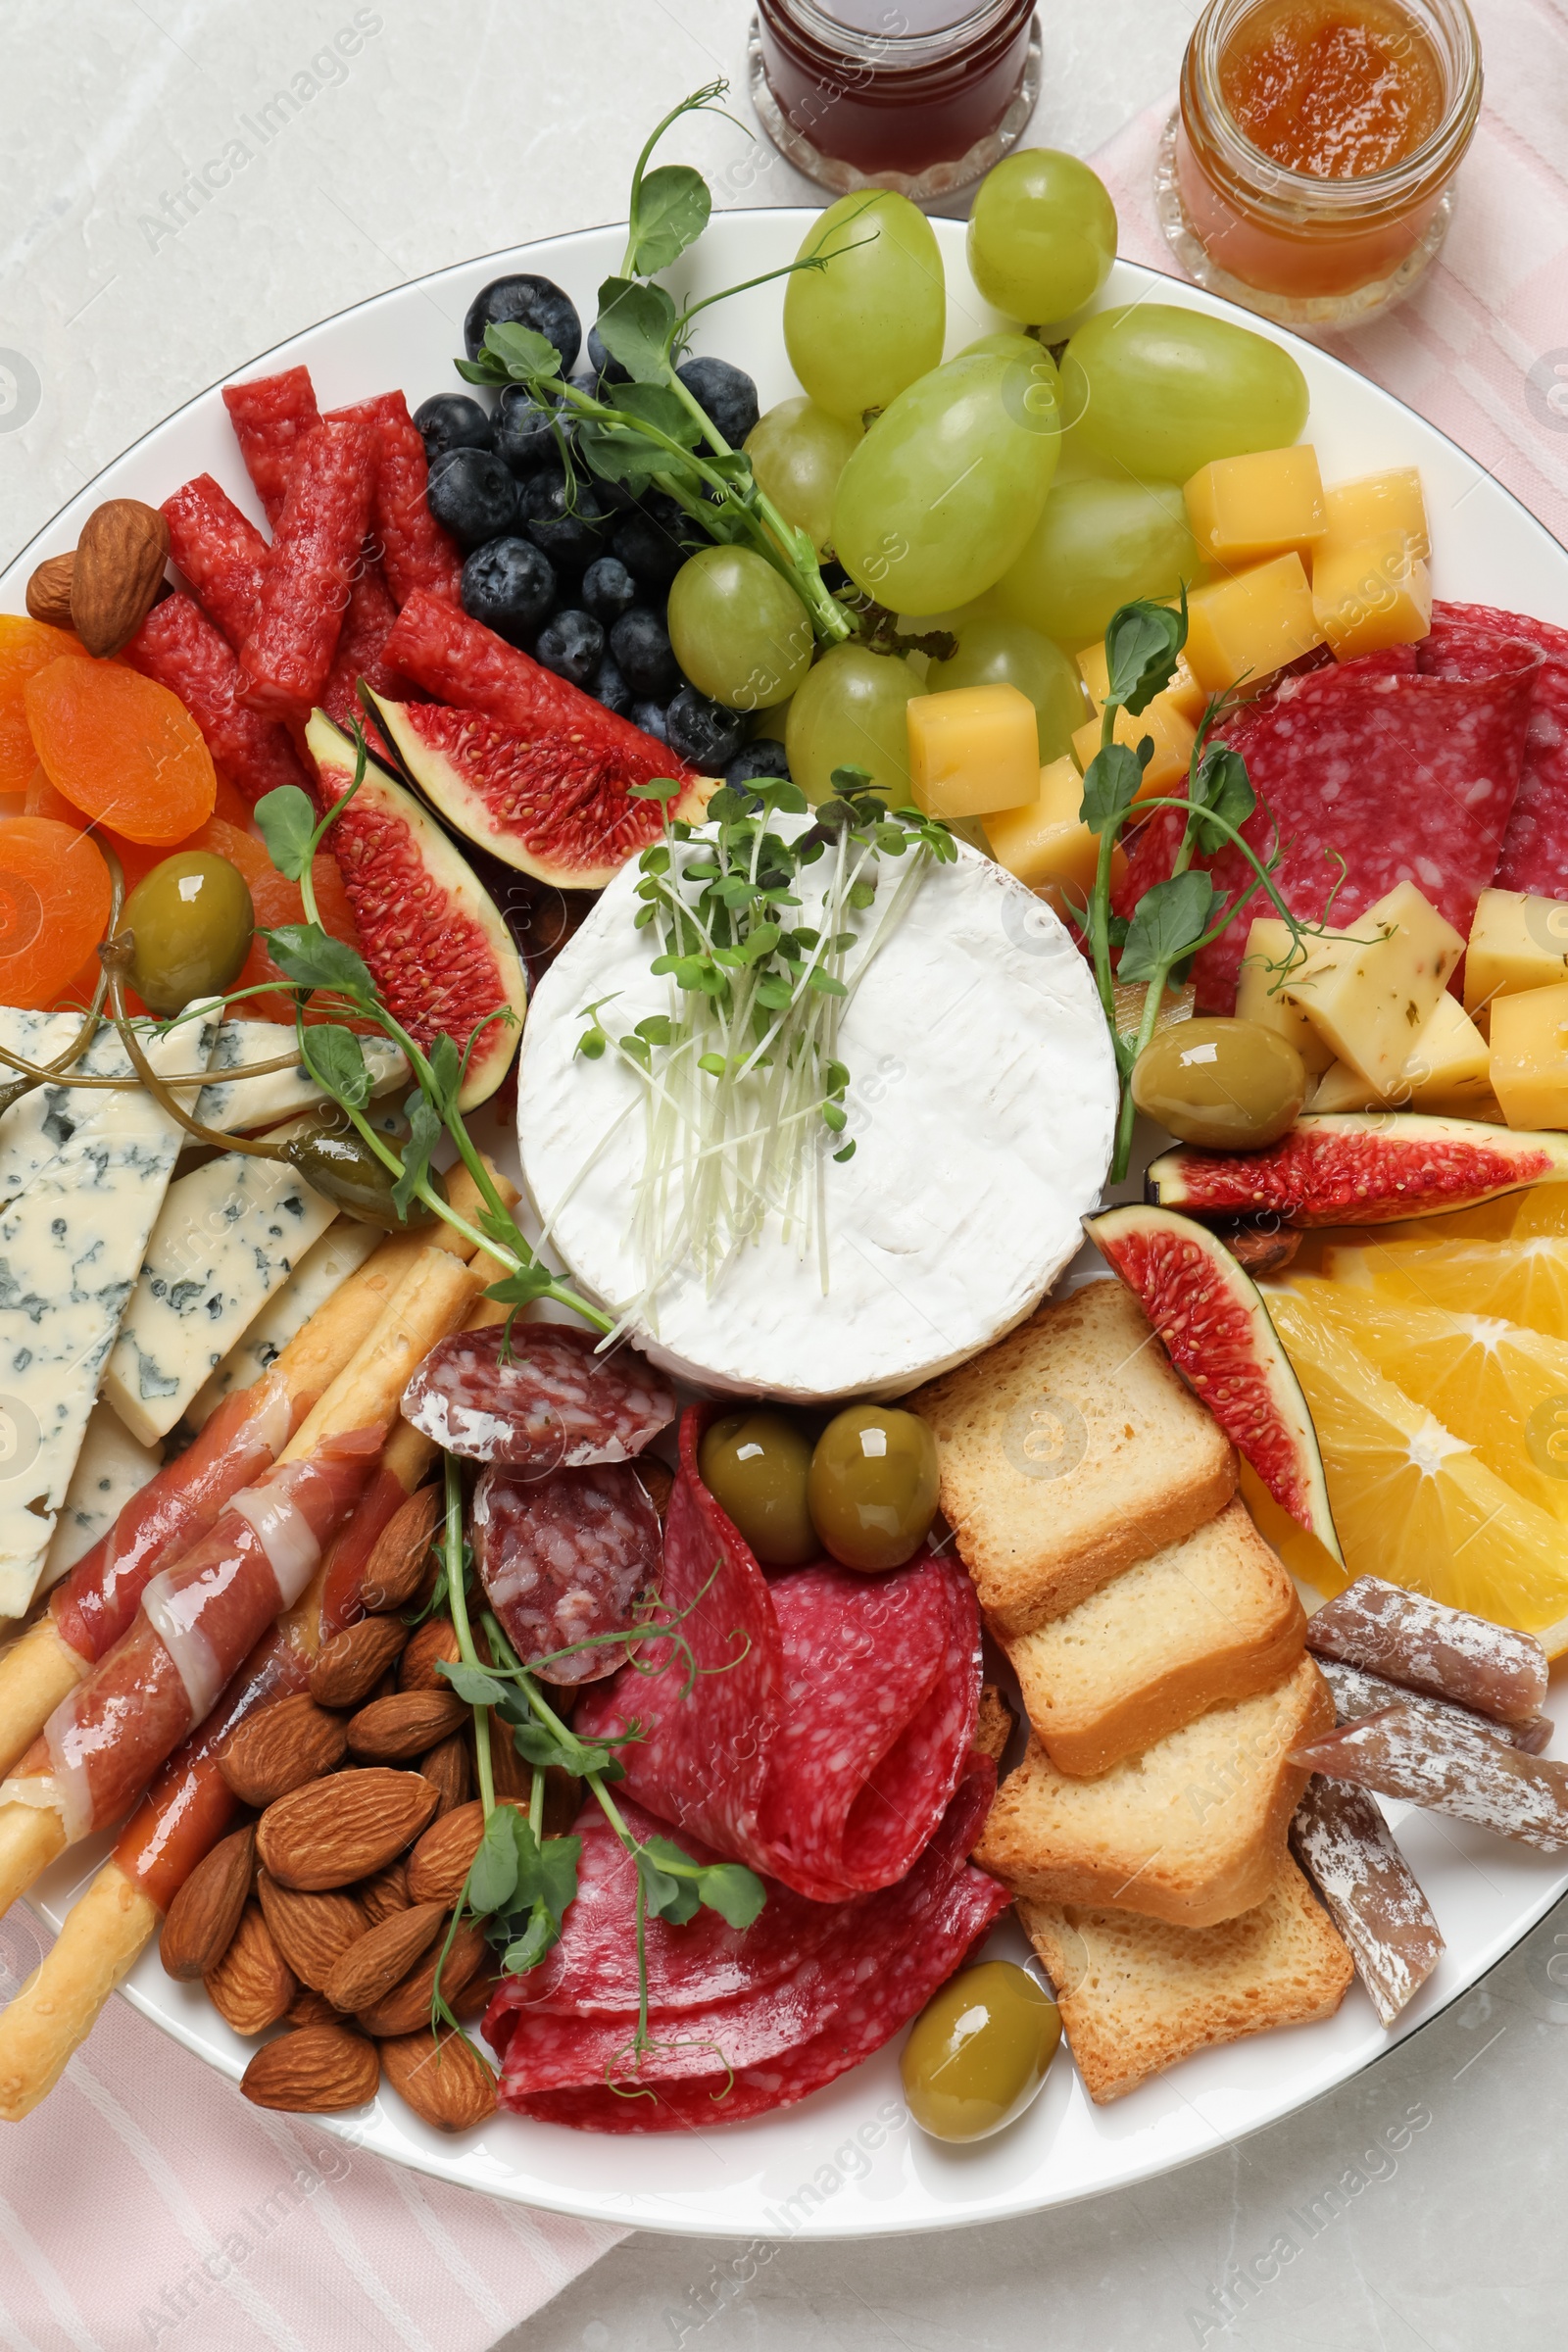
(541, 1401)
(563, 1558)
(271, 417)
(1535, 847)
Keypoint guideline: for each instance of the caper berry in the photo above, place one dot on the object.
(874, 1489)
(755, 1466)
(1233, 1086)
(191, 919)
(979, 2050)
(336, 1159)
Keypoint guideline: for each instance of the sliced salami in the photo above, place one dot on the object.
(541, 1401)
(563, 1558)
(1535, 847)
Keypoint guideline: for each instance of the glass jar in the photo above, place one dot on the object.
(1310, 251)
(918, 95)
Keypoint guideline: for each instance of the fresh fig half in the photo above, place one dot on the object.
(1351, 1168)
(436, 946)
(1210, 1315)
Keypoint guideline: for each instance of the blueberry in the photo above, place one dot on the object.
(472, 495)
(567, 521)
(727, 393)
(525, 430)
(704, 734)
(536, 302)
(608, 589)
(763, 756)
(572, 645)
(608, 687)
(651, 540)
(509, 586)
(607, 370)
(640, 643)
(650, 717)
(451, 421)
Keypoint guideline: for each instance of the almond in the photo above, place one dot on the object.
(390, 1730)
(439, 1864)
(119, 566)
(438, 1639)
(470, 2004)
(282, 1748)
(395, 1569)
(311, 1931)
(309, 2008)
(348, 1668)
(385, 1893)
(344, 1828)
(448, 1768)
(319, 2070)
(657, 1482)
(407, 2006)
(205, 1913)
(443, 2078)
(383, 1956)
(513, 1774)
(49, 591)
(252, 1985)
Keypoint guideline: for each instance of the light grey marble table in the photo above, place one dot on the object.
(162, 221)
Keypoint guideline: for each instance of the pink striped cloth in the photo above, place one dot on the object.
(144, 2203)
(1481, 348)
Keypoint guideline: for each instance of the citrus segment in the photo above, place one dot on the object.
(1517, 1282)
(121, 749)
(54, 906)
(26, 648)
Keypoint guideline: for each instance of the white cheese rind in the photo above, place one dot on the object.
(982, 1102)
(111, 1468)
(234, 1105)
(340, 1252)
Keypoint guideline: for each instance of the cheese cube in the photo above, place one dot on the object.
(1370, 594)
(1448, 1071)
(1530, 1057)
(1342, 1089)
(973, 750)
(1171, 734)
(1243, 509)
(1517, 941)
(1249, 626)
(1046, 843)
(1260, 997)
(1371, 992)
(1184, 691)
(1376, 503)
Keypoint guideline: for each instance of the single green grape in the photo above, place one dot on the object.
(739, 632)
(191, 919)
(798, 452)
(1165, 391)
(866, 325)
(851, 714)
(1042, 235)
(1098, 545)
(944, 491)
(1009, 653)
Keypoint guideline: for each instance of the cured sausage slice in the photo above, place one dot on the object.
(566, 1556)
(541, 1401)
(1535, 847)
(1344, 1844)
(1449, 1653)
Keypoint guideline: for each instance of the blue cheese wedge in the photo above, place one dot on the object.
(82, 1178)
(339, 1253)
(110, 1469)
(235, 1105)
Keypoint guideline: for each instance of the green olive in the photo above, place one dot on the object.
(336, 1159)
(873, 1489)
(191, 919)
(979, 2051)
(755, 1466)
(1230, 1085)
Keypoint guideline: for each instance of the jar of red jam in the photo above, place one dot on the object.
(919, 95)
(1308, 171)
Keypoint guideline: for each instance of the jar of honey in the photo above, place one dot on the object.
(918, 95)
(1309, 170)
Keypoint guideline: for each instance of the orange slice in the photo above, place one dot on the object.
(1516, 1282)
(121, 749)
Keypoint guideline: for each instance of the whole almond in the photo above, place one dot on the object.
(282, 1748)
(348, 1668)
(513, 1774)
(437, 1638)
(390, 1730)
(114, 580)
(309, 2008)
(387, 1893)
(657, 1480)
(447, 1767)
(312, 1931)
(395, 1569)
(469, 2005)
(443, 2078)
(205, 1913)
(319, 2070)
(343, 1828)
(49, 591)
(252, 1985)
(407, 2006)
(439, 1864)
(383, 1956)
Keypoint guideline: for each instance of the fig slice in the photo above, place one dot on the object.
(436, 945)
(1348, 1168)
(1215, 1328)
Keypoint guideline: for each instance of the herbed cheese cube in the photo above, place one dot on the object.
(1518, 941)
(1447, 1073)
(1248, 627)
(1371, 992)
(1243, 509)
(1530, 1057)
(1371, 594)
(1047, 843)
(1171, 734)
(340, 1251)
(1373, 504)
(1260, 995)
(1184, 691)
(973, 750)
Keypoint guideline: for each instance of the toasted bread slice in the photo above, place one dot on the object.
(1191, 1830)
(1205, 1622)
(1137, 1994)
(995, 1724)
(1069, 1450)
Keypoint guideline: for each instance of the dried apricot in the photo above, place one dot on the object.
(121, 749)
(136, 858)
(25, 647)
(54, 907)
(275, 902)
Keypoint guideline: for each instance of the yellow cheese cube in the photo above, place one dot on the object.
(1517, 941)
(973, 750)
(1342, 1089)
(1371, 992)
(1371, 593)
(1376, 503)
(1447, 1073)
(1171, 735)
(1184, 691)
(1530, 1057)
(1046, 843)
(1250, 625)
(1260, 997)
(1243, 509)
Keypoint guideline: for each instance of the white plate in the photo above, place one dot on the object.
(847, 2163)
